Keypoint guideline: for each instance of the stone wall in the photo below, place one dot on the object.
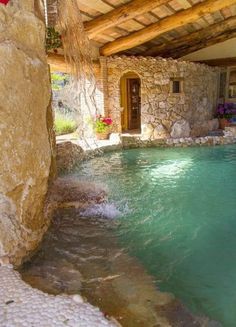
(163, 113)
(26, 141)
(136, 141)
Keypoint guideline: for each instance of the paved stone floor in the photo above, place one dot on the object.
(92, 144)
(23, 306)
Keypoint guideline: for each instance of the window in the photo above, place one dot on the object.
(176, 86)
(232, 84)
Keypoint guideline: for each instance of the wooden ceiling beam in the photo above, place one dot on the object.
(227, 35)
(196, 40)
(222, 62)
(165, 25)
(58, 63)
(120, 15)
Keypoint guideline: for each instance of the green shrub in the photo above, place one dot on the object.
(64, 125)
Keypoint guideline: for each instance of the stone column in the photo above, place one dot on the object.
(25, 145)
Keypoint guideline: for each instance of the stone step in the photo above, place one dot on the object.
(231, 130)
(218, 132)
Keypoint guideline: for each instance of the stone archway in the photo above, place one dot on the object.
(130, 101)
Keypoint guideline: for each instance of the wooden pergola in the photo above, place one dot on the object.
(166, 28)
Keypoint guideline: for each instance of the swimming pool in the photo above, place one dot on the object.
(178, 217)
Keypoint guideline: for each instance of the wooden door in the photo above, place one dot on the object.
(134, 103)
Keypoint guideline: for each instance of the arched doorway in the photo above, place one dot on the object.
(130, 96)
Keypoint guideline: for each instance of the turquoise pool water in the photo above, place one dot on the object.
(178, 216)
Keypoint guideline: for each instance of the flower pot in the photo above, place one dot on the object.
(223, 122)
(102, 136)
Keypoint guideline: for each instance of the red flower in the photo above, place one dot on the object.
(107, 121)
(5, 2)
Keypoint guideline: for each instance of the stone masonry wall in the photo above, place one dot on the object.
(163, 113)
(25, 146)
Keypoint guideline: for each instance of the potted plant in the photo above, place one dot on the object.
(102, 127)
(224, 113)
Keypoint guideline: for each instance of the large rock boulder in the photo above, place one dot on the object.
(202, 128)
(147, 131)
(25, 145)
(160, 132)
(67, 191)
(213, 124)
(180, 129)
(68, 156)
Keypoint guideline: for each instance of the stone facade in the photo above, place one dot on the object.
(163, 113)
(25, 129)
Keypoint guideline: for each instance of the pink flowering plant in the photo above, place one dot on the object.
(102, 124)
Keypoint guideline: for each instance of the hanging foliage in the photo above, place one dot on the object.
(76, 44)
(53, 39)
(77, 52)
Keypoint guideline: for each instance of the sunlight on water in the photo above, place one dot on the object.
(172, 169)
(180, 222)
